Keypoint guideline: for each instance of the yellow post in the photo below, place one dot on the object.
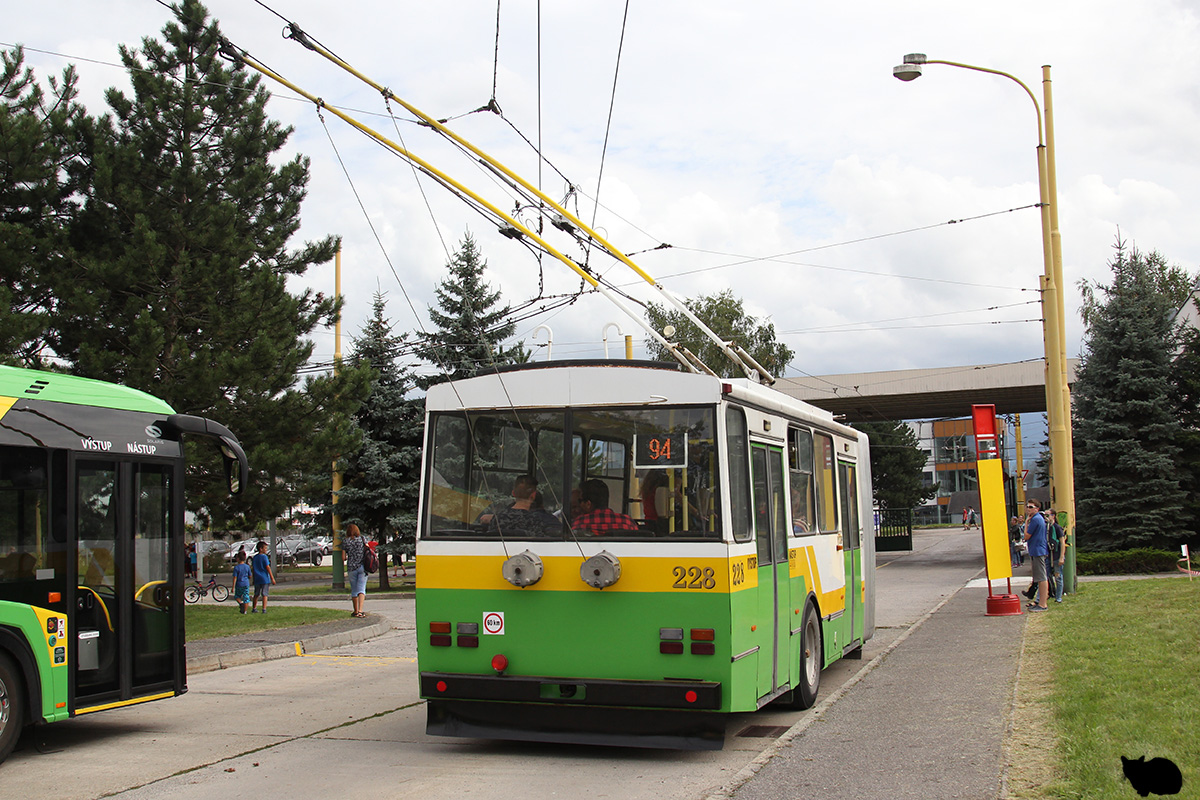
(628, 348)
(339, 574)
(1020, 467)
(1064, 445)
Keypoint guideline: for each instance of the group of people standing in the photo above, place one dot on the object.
(1047, 552)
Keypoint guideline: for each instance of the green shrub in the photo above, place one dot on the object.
(1143, 560)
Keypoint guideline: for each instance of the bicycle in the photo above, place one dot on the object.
(193, 593)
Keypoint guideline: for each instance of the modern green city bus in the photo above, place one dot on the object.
(91, 546)
(739, 567)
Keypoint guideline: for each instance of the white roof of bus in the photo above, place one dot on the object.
(611, 384)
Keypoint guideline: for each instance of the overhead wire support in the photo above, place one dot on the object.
(241, 56)
(753, 371)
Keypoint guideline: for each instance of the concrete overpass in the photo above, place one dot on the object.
(942, 392)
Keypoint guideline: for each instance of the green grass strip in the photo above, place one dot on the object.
(1127, 657)
(214, 621)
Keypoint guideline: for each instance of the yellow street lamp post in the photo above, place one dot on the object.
(1058, 393)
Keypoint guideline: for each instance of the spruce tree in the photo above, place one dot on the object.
(179, 279)
(382, 478)
(471, 326)
(1126, 430)
(38, 147)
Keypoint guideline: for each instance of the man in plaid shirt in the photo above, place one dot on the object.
(596, 516)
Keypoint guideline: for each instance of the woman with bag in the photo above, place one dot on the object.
(353, 545)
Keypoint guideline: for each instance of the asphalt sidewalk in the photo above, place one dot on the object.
(925, 719)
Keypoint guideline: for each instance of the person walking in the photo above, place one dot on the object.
(353, 545)
(263, 577)
(241, 582)
(1039, 552)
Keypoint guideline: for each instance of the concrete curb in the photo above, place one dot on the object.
(270, 652)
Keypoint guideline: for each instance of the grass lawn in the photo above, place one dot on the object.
(210, 621)
(317, 591)
(1125, 656)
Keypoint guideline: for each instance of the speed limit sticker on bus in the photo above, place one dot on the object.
(493, 622)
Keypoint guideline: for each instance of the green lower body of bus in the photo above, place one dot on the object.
(651, 669)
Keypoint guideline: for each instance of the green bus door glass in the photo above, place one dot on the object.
(774, 599)
(125, 640)
(848, 483)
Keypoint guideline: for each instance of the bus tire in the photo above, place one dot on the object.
(811, 659)
(12, 706)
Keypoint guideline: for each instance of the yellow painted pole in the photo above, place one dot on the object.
(1058, 405)
(339, 573)
(1020, 467)
(1064, 467)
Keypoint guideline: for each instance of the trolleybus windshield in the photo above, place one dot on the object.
(617, 473)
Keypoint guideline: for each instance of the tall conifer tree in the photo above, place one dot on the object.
(1126, 434)
(179, 285)
(38, 147)
(382, 478)
(471, 325)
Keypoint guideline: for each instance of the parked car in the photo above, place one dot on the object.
(301, 549)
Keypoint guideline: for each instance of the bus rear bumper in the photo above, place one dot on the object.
(677, 715)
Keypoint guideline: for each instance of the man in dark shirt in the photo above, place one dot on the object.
(521, 519)
(596, 517)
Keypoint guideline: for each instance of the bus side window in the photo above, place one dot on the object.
(738, 445)
(800, 467)
(823, 473)
(849, 495)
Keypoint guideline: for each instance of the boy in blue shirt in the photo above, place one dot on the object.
(241, 582)
(260, 567)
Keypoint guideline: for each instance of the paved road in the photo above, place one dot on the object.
(349, 719)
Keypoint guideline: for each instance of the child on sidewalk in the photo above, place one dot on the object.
(241, 582)
(263, 577)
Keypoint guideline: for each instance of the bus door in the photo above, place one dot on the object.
(128, 634)
(770, 516)
(852, 542)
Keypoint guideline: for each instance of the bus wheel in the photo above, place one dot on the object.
(12, 706)
(811, 659)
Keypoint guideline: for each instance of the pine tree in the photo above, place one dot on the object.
(726, 316)
(1126, 430)
(897, 465)
(179, 282)
(382, 479)
(470, 325)
(37, 148)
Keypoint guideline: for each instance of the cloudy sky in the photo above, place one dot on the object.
(767, 142)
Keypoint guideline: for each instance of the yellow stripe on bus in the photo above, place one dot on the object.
(5, 404)
(561, 574)
(830, 601)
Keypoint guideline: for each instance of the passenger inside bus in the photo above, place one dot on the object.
(521, 518)
(595, 515)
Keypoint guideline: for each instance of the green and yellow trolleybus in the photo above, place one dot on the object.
(625, 553)
(91, 546)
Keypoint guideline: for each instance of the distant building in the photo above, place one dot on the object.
(949, 447)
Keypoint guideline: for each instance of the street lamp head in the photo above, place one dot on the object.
(907, 72)
(914, 58)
